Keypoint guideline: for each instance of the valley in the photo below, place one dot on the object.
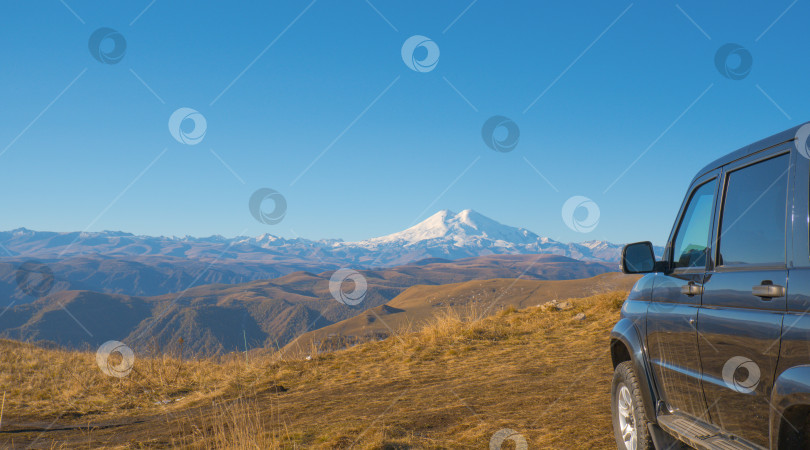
(453, 382)
(221, 318)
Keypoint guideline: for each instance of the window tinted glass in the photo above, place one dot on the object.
(753, 222)
(689, 249)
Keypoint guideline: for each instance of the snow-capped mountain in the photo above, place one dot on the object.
(463, 229)
(469, 233)
(445, 234)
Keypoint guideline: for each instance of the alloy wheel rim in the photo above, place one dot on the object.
(627, 423)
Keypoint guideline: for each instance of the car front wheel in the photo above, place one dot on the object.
(629, 418)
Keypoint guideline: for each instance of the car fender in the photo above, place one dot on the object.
(791, 388)
(625, 333)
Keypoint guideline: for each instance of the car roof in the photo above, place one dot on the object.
(750, 149)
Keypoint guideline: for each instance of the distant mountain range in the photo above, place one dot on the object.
(122, 263)
(442, 235)
(220, 294)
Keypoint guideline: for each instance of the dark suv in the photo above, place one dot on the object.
(713, 346)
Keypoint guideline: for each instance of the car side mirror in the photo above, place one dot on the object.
(638, 257)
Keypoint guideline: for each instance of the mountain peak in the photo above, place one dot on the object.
(448, 215)
(469, 215)
(442, 214)
(458, 230)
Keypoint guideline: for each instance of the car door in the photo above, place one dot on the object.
(671, 334)
(744, 295)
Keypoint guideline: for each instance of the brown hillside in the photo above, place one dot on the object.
(418, 305)
(452, 384)
(220, 318)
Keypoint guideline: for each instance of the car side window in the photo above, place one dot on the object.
(752, 229)
(692, 238)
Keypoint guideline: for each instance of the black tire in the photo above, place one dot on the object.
(635, 415)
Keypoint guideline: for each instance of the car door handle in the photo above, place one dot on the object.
(768, 290)
(691, 289)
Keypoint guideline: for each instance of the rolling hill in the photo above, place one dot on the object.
(452, 383)
(220, 318)
(138, 276)
(419, 305)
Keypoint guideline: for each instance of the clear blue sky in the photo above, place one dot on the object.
(418, 148)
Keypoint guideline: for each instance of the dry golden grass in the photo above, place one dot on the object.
(45, 383)
(452, 384)
(238, 424)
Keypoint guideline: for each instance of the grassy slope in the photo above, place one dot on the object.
(417, 305)
(452, 384)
